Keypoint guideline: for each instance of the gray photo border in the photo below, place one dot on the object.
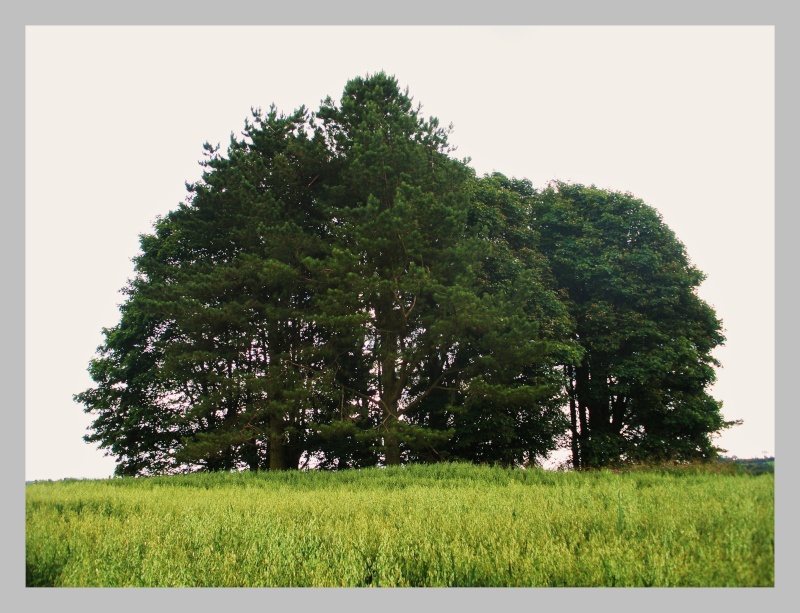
(17, 15)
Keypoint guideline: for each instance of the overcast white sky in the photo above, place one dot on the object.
(682, 117)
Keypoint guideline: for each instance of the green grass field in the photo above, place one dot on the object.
(440, 525)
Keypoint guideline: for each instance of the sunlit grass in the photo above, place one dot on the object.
(441, 525)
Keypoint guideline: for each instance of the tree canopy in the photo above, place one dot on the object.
(640, 391)
(339, 291)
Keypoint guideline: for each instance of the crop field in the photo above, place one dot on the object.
(437, 525)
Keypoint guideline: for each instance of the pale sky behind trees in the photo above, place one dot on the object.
(682, 117)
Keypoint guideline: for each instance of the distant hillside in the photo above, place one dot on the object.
(754, 465)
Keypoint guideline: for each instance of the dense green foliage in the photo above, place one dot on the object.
(338, 291)
(640, 388)
(437, 525)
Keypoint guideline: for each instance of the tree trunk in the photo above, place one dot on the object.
(391, 442)
(390, 387)
(618, 412)
(391, 446)
(277, 457)
(581, 389)
(573, 418)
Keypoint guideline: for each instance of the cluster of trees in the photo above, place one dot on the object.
(339, 291)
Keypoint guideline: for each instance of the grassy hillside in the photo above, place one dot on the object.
(441, 525)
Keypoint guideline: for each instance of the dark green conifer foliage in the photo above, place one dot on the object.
(338, 290)
(450, 321)
(222, 283)
(640, 392)
(133, 422)
(512, 411)
(400, 274)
